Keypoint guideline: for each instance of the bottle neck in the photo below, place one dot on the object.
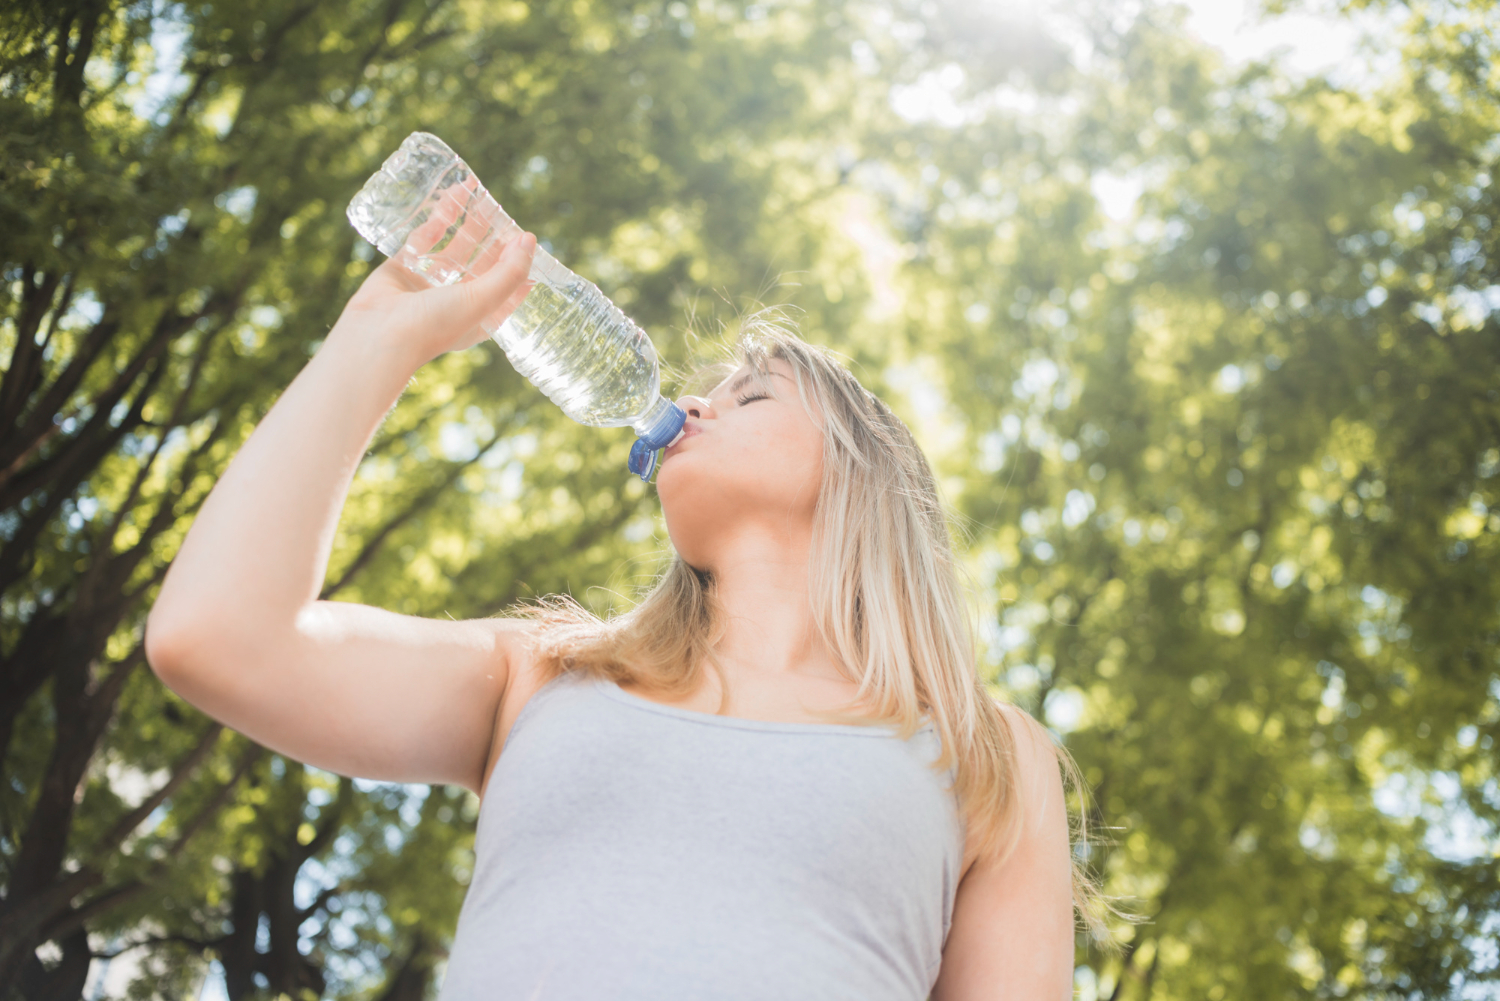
(661, 424)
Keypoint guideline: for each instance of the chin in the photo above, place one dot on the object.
(680, 480)
(669, 481)
(688, 545)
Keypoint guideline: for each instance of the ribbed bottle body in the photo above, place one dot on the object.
(567, 337)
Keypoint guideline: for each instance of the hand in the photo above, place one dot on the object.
(401, 310)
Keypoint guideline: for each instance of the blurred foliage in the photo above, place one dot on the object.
(1225, 459)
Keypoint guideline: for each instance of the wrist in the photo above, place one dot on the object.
(380, 364)
(374, 350)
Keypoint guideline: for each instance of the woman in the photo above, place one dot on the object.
(777, 777)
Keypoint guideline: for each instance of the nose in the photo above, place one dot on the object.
(697, 407)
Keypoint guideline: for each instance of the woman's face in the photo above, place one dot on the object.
(750, 459)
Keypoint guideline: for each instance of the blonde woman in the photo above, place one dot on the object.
(779, 776)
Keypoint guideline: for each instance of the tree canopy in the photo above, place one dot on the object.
(1224, 462)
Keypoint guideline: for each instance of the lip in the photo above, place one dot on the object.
(688, 431)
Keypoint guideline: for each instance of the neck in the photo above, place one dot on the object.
(761, 578)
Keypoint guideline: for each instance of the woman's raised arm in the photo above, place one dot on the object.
(238, 629)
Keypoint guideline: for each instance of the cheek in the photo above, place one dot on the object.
(803, 474)
(776, 449)
(785, 470)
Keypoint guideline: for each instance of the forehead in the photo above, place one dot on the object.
(748, 375)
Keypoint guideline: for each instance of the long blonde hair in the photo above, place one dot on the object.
(885, 590)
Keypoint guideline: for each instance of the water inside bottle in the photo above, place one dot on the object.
(603, 373)
(566, 336)
(475, 233)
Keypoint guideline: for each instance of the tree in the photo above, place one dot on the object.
(1226, 469)
(1235, 469)
(176, 248)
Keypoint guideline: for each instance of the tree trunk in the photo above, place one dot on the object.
(64, 981)
(411, 979)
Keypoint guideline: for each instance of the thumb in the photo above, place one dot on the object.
(463, 305)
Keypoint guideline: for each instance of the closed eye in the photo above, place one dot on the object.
(751, 397)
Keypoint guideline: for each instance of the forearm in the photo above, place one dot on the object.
(238, 630)
(258, 550)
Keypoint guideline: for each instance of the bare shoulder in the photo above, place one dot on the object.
(514, 636)
(1038, 771)
(1038, 761)
(517, 640)
(517, 643)
(1013, 913)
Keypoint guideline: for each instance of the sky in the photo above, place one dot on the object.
(1307, 43)
(1317, 41)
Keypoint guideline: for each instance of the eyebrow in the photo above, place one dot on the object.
(750, 377)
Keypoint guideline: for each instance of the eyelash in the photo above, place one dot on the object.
(751, 397)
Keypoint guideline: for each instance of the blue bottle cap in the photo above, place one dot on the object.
(642, 459)
(658, 436)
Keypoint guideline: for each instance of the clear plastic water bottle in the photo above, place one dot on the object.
(566, 337)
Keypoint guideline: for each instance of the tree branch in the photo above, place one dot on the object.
(76, 465)
(184, 769)
(22, 435)
(25, 362)
(78, 917)
(417, 506)
(173, 422)
(197, 943)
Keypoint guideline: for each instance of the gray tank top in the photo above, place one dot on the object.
(630, 850)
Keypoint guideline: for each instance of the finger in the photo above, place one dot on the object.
(464, 305)
(485, 233)
(442, 212)
(466, 230)
(495, 240)
(392, 273)
(502, 299)
(518, 295)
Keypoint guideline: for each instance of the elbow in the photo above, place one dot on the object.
(185, 645)
(206, 657)
(186, 655)
(169, 647)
